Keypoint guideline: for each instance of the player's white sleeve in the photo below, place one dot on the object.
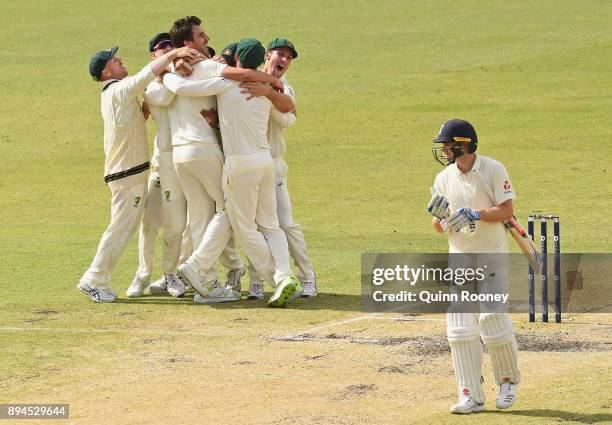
(207, 87)
(502, 186)
(284, 120)
(438, 184)
(136, 84)
(288, 89)
(208, 69)
(158, 95)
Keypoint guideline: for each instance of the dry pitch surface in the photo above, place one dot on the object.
(374, 80)
(244, 364)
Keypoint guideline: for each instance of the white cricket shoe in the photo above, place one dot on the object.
(507, 395)
(99, 294)
(309, 289)
(467, 405)
(256, 291)
(159, 286)
(189, 277)
(283, 294)
(217, 293)
(137, 287)
(174, 285)
(233, 278)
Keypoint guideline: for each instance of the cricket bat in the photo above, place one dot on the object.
(525, 243)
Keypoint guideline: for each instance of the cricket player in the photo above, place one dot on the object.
(228, 53)
(248, 173)
(127, 159)
(474, 196)
(166, 205)
(198, 161)
(279, 55)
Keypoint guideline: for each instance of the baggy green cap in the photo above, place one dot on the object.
(229, 52)
(99, 61)
(250, 52)
(283, 42)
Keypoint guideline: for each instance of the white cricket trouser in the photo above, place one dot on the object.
(250, 200)
(127, 206)
(201, 182)
(466, 329)
(152, 220)
(187, 245)
(166, 205)
(293, 231)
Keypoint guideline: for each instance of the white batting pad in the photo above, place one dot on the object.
(466, 349)
(498, 334)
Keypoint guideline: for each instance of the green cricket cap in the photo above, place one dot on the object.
(158, 38)
(250, 52)
(283, 42)
(229, 52)
(99, 61)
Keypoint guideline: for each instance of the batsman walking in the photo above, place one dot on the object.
(472, 197)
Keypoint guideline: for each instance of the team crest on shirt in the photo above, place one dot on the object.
(507, 187)
(137, 201)
(167, 195)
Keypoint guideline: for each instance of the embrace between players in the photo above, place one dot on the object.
(218, 174)
(204, 194)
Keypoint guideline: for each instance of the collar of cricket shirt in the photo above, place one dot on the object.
(475, 168)
(108, 83)
(477, 164)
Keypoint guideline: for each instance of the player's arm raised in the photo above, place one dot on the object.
(194, 88)
(252, 75)
(285, 120)
(158, 95)
(160, 64)
(135, 85)
(281, 101)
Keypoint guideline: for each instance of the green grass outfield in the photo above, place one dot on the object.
(374, 80)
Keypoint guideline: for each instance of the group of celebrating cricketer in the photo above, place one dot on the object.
(217, 176)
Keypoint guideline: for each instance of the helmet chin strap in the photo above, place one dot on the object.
(457, 152)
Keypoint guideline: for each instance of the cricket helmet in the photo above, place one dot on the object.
(455, 131)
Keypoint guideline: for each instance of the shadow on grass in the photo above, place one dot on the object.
(560, 415)
(324, 301)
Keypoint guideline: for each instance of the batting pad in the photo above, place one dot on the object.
(498, 334)
(466, 350)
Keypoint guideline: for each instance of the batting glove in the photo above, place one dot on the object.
(464, 217)
(438, 206)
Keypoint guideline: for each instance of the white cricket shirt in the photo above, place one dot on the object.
(486, 185)
(158, 98)
(244, 123)
(187, 124)
(278, 123)
(125, 133)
